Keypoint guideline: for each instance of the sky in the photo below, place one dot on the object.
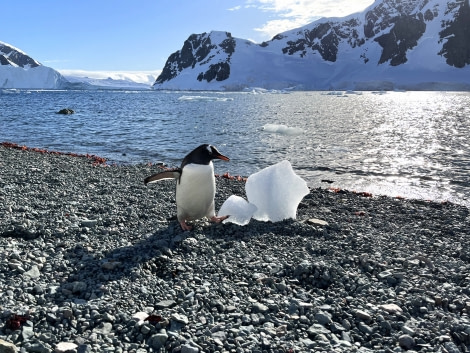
(99, 37)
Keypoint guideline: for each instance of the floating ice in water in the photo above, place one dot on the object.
(276, 191)
(239, 210)
(205, 98)
(282, 129)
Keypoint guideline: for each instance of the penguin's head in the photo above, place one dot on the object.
(203, 154)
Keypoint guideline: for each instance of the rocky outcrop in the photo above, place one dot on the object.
(66, 111)
(10, 55)
(456, 33)
(200, 48)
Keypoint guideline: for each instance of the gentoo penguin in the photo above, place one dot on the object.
(195, 185)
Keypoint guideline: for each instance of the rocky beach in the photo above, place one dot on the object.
(92, 260)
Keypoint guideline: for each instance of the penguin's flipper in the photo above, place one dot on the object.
(168, 174)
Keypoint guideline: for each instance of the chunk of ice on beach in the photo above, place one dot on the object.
(239, 210)
(276, 191)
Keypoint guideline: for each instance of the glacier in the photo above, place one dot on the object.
(39, 77)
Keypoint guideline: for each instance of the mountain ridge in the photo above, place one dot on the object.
(392, 44)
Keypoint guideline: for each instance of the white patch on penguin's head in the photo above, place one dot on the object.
(209, 148)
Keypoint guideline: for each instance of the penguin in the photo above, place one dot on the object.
(195, 185)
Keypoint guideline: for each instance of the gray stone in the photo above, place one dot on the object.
(88, 223)
(406, 341)
(32, 273)
(79, 287)
(187, 348)
(7, 347)
(391, 308)
(363, 315)
(158, 340)
(323, 318)
(105, 328)
(259, 308)
(317, 329)
(179, 318)
(27, 332)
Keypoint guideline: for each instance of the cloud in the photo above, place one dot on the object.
(296, 13)
(147, 77)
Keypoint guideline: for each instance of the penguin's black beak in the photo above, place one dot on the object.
(217, 155)
(222, 157)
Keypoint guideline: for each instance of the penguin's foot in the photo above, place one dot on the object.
(185, 226)
(218, 219)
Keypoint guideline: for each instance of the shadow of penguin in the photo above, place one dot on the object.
(95, 269)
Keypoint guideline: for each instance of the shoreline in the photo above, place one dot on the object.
(89, 252)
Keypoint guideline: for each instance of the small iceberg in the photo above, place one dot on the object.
(239, 210)
(273, 193)
(282, 129)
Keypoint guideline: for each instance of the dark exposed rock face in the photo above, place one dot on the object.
(402, 19)
(403, 36)
(11, 56)
(220, 72)
(325, 39)
(199, 49)
(457, 48)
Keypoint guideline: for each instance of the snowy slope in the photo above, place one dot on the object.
(393, 44)
(18, 70)
(84, 82)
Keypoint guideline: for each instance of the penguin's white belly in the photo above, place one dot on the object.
(195, 192)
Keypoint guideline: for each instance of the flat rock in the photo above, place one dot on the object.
(391, 308)
(7, 347)
(165, 304)
(317, 222)
(65, 347)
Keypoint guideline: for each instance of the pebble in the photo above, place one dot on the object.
(105, 266)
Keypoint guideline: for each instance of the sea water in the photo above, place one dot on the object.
(408, 144)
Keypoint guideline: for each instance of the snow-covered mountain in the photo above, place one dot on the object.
(18, 70)
(393, 44)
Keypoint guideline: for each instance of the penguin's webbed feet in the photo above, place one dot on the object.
(185, 226)
(218, 219)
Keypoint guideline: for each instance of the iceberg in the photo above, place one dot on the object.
(282, 129)
(276, 191)
(274, 194)
(239, 210)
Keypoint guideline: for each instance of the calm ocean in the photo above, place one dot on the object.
(409, 144)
